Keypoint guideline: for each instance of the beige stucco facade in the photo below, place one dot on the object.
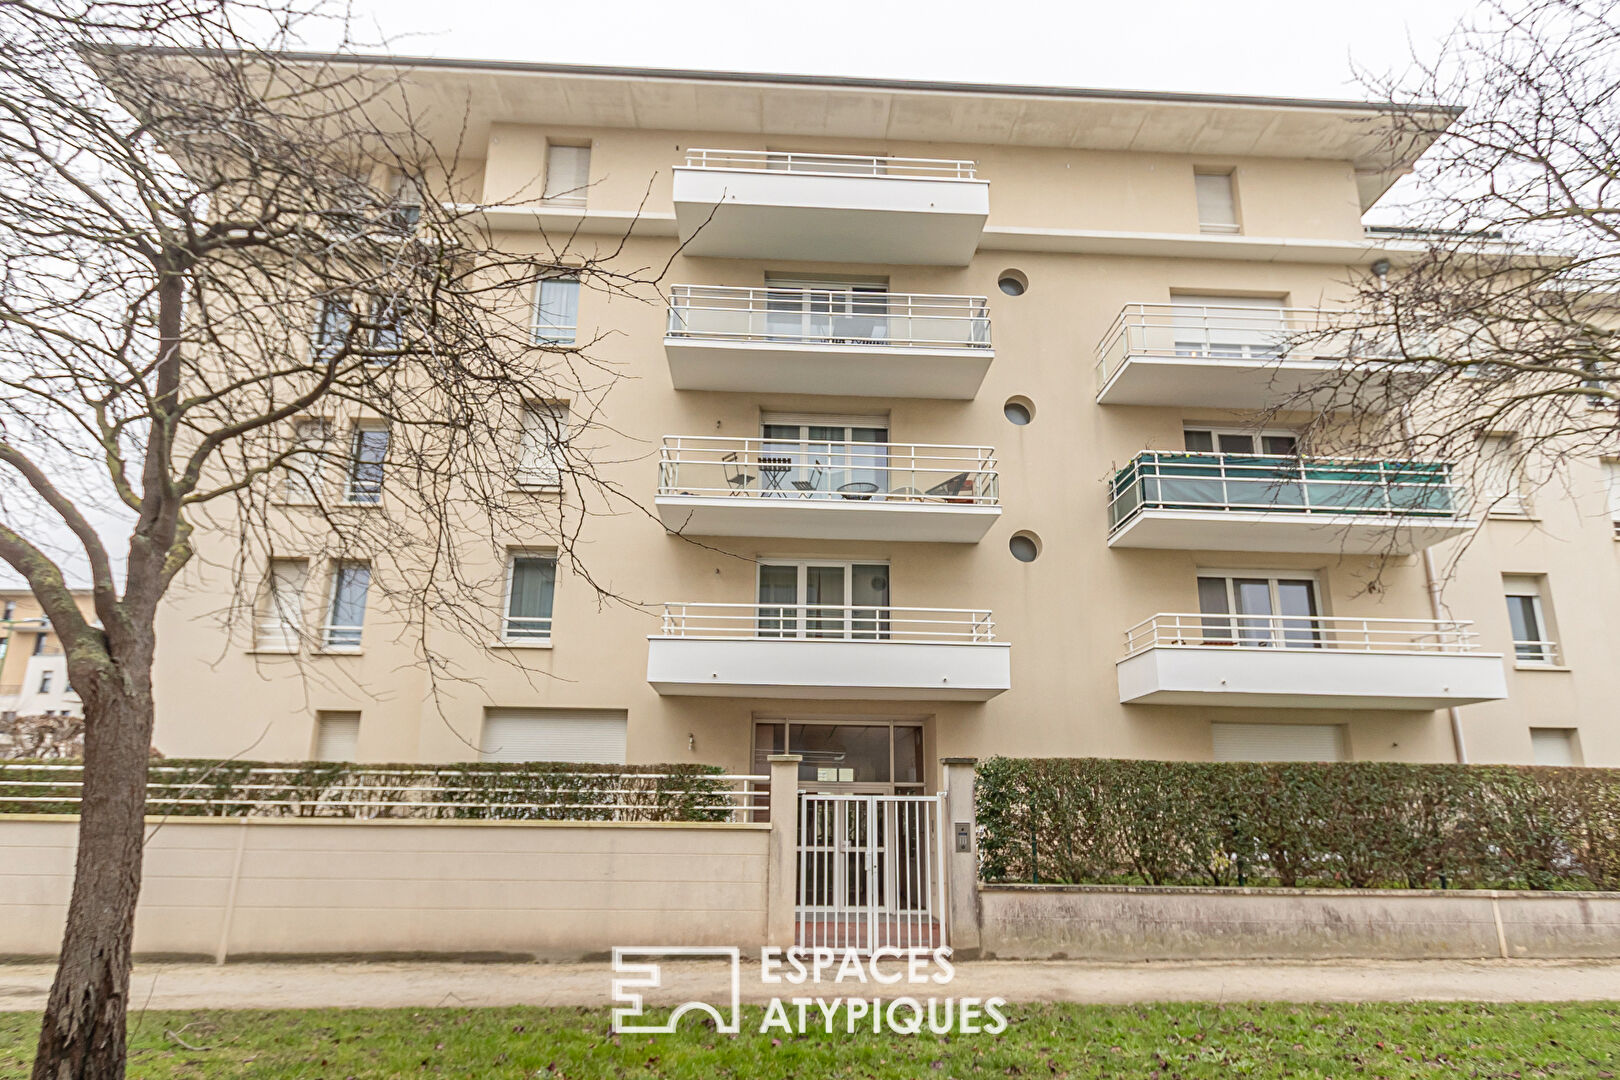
(1094, 217)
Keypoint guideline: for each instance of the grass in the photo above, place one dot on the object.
(1164, 1041)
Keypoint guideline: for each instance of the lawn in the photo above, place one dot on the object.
(1258, 1040)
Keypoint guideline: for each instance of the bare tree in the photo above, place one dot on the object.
(247, 294)
(1499, 309)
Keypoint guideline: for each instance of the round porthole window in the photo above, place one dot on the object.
(1025, 546)
(1019, 410)
(1013, 282)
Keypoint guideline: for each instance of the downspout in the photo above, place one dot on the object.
(1431, 580)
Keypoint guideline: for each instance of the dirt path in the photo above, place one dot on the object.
(311, 985)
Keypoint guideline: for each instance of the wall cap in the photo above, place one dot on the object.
(1277, 890)
(188, 819)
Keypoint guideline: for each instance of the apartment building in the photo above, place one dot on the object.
(33, 669)
(946, 424)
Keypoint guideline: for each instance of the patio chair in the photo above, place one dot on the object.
(958, 488)
(738, 478)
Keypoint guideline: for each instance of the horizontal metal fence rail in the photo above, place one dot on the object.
(807, 469)
(903, 168)
(1238, 334)
(386, 793)
(850, 318)
(847, 622)
(1536, 652)
(1341, 633)
(1185, 480)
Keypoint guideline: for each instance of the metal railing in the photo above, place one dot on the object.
(845, 622)
(1183, 480)
(1536, 652)
(845, 317)
(341, 638)
(526, 628)
(902, 168)
(857, 471)
(1201, 630)
(439, 793)
(1236, 334)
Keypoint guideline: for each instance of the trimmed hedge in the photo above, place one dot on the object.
(567, 791)
(1342, 824)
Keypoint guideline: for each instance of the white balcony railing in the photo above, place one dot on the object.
(339, 638)
(1239, 335)
(865, 472)
(832, 164)
(829, 622)
(846, 318)
(1536, 652)
(1198, 630)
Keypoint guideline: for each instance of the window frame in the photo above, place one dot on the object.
(1276, 634)
(554, 333)
(506, 635)
(540, 465)
(1217, 228)
(350, 473)
(1542, 651)
(322, 347)
(1257, 439)
(576, 196)
(329, 641)
(800, 629)
(291, 632)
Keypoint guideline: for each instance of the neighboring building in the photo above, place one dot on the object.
(973, 369)
(33, 671)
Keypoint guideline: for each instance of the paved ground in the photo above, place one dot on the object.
(309, 985)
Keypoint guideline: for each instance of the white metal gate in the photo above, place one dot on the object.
(872, 871)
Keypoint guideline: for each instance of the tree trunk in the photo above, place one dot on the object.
(82, 1036)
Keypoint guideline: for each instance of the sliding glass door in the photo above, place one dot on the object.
(1259, 611)
(824, 600)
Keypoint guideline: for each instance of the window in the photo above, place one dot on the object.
(1497, 480)
(280, 621)
(1241, 441)
(39, 644)
(1227, 327)
(1264, 610)
(1217, 200)
(556, 311)
(592, 736)
(10, 611)
(1278, 742)
(886, 755)
(45, 680)
(1611, 476)
(541, 454)
(405, 203)
(332, 328)
(568, 170)
(531, 582)
(347, 613)
(828, 456)
(387, 328)
(1554, 746)
(367, 454)
(827, 309)
(337, 735)
(1527, 616)
(303, 462)
(824, 600)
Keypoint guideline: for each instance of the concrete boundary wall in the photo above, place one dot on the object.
(1099, 922)
(221, 888)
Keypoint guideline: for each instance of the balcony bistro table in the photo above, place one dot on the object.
(858, 489)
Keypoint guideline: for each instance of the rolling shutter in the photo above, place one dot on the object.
(337, 736)
(596, 736)
(1553, 746)
(1278, 742)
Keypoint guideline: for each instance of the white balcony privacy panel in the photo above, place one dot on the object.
(568, 171)
(1553, 746)
(337, 735)
(1278, 742)
(585, 735)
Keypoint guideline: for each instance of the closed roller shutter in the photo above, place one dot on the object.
(588, 735)
(337, 734)
(1553, 746)
(1278, 742)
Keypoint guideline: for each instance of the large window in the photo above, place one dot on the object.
(817, 599)
(1528, 616)
(877, 756)
(332, 326)
(827, 310)
(556, 311)
(346, 614)
(568, 174)
(531, 582)
(824, 456)
(1259, 609)
(367, 454)
(1217, 200)
(280, 621)
(541, 454)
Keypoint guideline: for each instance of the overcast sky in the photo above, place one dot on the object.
(1300, 48)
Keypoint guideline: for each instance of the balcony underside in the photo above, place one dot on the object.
(1216, 384)
(1309, 678)
(1281, 531)
(828, 670)
(825, 518)
(745, 214)
(811, 368)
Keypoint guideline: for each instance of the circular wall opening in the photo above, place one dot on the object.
(1025, 546)
(1013, 282)
(1019, 410)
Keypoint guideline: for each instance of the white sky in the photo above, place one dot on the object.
(1298, 48)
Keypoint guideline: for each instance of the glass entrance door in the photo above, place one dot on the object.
(879, 757)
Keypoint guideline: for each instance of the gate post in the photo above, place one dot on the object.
(782, 859)
(962, 854)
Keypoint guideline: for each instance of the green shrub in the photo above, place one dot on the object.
(1345, 824)
(535, 791)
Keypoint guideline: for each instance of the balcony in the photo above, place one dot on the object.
(828, 652)
(827, 491)
(763, 204)
(1306, 662)
(827, 341)
(1254, 502)
(1227, 357)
